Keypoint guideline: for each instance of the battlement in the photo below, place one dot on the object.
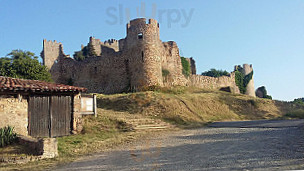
(247, 69)
(110, 41)
(51, 43)
(170, 43)
(141, 22)
(52, 51)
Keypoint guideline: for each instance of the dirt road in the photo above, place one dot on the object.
(249, 145)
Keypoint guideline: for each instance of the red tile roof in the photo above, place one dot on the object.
(15, 84)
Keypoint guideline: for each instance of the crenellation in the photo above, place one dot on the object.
(112, 43)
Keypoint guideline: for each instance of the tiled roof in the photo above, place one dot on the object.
(15, 84)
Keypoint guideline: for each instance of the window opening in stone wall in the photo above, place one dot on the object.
(142, 56)
(95, 69)
(140, 36)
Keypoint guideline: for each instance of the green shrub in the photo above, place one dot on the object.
(86, 52)
(299, 101)
(7, 136)
(165, 72)
(242, 80)
(299, 114)
(239, 81)
(215, 73)
(186, 67)
(264, 94)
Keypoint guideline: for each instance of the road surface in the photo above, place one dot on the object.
(249, 145)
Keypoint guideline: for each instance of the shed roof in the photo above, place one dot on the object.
(15, 84)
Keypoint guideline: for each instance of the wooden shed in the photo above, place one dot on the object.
(39, 109)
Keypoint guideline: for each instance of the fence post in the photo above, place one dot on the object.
(95, 105)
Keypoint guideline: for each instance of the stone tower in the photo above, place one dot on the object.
(143, 57)
(51, 53)
(247, 69)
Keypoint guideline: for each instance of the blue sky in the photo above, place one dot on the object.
(217, 33)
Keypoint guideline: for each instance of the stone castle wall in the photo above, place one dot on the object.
(171, 61)
(192, 65)
(214, 83)
(132, 63)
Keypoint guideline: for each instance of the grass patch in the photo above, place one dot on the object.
(297, 114)
(95, 136)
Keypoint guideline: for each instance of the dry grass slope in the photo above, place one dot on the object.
(191, 107)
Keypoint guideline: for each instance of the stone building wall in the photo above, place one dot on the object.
(113, 44)
(214, 83)
(171, 61)
(192, 65)
(77, 117)
(14, 112)
(108, 46)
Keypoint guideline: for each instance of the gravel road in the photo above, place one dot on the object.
(249, 145)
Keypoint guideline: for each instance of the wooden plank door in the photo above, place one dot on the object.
(39, 118)
(50, 116)
(61, 115)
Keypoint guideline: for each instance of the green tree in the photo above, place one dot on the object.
(215, 73)
(242, 80)
(299, 100)
(239, 81)
(23, 64)
(78, 56)
(262, 93)
(186, 67)
(91, 50)
(86, 52)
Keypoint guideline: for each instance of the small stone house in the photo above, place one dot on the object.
(39, 109)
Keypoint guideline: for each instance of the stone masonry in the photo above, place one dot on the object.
(14, 112)
(129, 64)
(247, 69)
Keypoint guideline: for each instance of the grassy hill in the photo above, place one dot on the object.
(191, 107)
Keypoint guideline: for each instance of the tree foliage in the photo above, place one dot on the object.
(299, 100)
(242, 80)
(23, 64)
(263, 91)
(239, 81)
(165, 72)
(186, 67)
(216, 73)
(86, 52)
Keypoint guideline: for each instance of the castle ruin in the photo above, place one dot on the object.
(130, 64)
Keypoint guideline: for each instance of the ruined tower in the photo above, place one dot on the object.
(143, 57)
(52, 54)
(247, 69)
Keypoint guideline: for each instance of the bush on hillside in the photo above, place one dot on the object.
(215, 73)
